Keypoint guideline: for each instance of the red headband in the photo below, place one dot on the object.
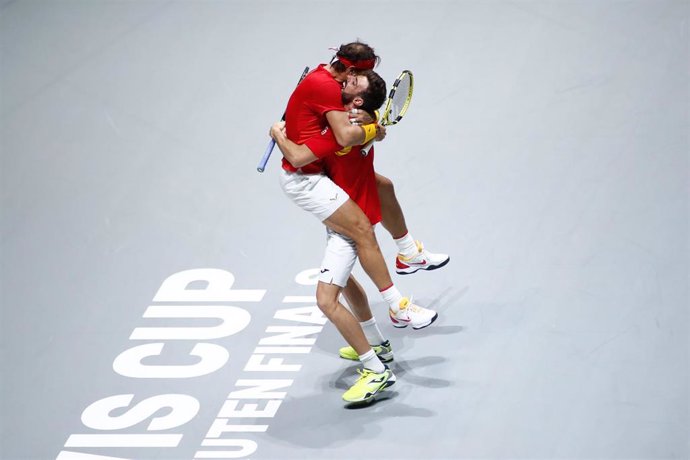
(365, 64)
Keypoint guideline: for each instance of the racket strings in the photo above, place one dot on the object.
(399, 100)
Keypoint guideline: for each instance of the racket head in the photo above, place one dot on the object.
(399, 99)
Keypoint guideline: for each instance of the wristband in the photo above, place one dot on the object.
(369, 132)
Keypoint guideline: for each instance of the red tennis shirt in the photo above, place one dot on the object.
(305, 116)
(351, 170)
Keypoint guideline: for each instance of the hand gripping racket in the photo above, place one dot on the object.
(398, 102)
(269, 149)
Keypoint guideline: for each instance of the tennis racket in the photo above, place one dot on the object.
(269, 149)
(396, 105)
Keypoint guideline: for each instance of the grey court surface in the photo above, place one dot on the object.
(546, 150)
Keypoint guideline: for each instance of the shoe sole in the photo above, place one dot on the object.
(429, 268)
(426, 325)
(404, 325)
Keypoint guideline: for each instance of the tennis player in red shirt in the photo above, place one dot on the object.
(316, 104)
(354, 173)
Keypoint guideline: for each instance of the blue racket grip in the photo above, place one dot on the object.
(267, 155)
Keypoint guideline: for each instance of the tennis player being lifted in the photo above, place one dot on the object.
(314, 105)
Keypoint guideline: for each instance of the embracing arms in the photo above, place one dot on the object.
(299, 155)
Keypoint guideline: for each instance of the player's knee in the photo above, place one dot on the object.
(363, 232)
(327, 304)
(384, 185)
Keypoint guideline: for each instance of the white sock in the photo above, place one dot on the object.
(372, 332)
(407, 245)
(392, 297)
(372, 362)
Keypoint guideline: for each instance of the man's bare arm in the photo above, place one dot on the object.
(297, 155)
(346, 134)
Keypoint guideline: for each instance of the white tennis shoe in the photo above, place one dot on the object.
(412, 315)
(423, 260)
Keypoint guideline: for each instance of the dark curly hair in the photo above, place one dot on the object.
(354, 52)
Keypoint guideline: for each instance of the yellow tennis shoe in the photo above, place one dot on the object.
(368, 385)
(383, 351)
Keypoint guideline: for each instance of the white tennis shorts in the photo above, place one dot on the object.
(315, 193)
(338, 260)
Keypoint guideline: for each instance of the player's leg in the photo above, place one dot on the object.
(357, 300)
(359, 304)
(401, 311)
(392, 217)
(327, 299)
(335, 268)
(318, 195)
(350, 220)
(411, 253)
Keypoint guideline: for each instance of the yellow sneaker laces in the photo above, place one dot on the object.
(406, 303)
